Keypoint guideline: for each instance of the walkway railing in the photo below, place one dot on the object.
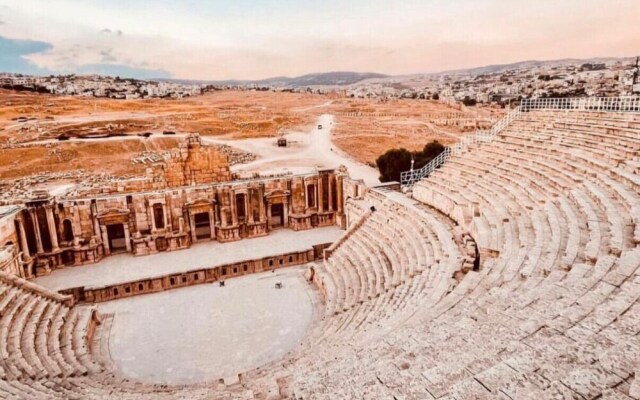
(408, 178)
(617, 104)
(628, 104)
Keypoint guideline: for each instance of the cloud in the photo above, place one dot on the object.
(271, 38)
(108, 31)
(12, 52)
(107, 56)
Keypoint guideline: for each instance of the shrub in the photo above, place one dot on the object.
(392, 163)
(469, 102)
(395, 161)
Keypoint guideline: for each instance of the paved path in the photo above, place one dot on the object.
(126, 268)
(306, 151)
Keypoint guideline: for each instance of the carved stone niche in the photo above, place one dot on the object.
(201, 219)
(114, 230)
(277, 208)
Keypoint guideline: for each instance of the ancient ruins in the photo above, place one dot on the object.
(507, 268)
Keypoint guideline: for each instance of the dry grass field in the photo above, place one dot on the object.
(30, 125)
(366, 130)
(240, 114)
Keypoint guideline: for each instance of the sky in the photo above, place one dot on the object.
(255, 39)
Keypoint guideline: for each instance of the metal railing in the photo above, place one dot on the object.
(617, 104)
(408, 178)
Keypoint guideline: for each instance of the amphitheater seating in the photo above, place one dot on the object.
(552, 204)
(513, 273)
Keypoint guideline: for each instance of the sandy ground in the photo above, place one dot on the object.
(206, 332)
(121, 268)
(365, 129)
(362, 129)
(304, 153)
(236, 113)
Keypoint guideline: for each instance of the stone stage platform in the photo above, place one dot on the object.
(126, 268)
(207, 332)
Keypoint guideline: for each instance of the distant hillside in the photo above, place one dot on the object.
(368, 78)
(490, 69)
(320, 79)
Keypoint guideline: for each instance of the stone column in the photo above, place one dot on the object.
(320, 195)
(53, 234)
(223, 216)
(212, 221)
(181, 224)
(164, 218)
(36, 230)
(167, 218)
(261, 203)
(105, 240)
(24, 244)
(127, 237)
(249, 209)
(331, 180)
(339, 194)
(168, 214)
(94, 218)
(151, 213)
(192, 223)
(285, 211)
(268, 213)
(234, 212)
(305, 188)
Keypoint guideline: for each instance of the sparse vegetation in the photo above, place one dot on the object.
(395, 161)
(469, 102)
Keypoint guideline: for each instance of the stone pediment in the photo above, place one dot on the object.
(277, 193)
(114, 212)
(200, 202)
(114, 215)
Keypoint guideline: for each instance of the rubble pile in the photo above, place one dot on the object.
(236, 156)
(148, 157)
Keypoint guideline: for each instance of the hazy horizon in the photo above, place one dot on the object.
(259, 39)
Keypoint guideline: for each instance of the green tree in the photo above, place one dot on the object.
(395, 161)
(392, 163)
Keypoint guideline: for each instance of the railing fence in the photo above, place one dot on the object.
(618, 104)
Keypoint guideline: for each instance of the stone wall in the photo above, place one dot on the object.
(75, 230)
(194, 164)
(10, 258)
(194, 277)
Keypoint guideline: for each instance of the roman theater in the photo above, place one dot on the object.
(506, 268)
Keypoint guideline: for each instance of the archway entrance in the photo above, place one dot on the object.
(203, 225)
(277, 215)
(117, 241)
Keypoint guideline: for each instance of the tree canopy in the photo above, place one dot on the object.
(395, 161)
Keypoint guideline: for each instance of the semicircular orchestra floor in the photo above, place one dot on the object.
(206, 332)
